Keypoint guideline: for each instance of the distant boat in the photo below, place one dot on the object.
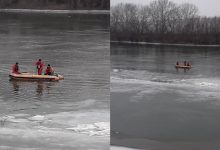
(34, 77)
(183, 66)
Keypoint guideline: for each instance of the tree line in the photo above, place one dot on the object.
(56, 4)
(165, 22)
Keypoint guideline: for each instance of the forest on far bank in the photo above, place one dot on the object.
(56, 4)
(163, 21)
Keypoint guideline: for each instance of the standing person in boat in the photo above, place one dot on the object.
(49, 70)
(185, 63)
(40, 66)
(15, 68)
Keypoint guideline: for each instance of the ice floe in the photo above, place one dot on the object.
(37, 118)
(96, 129)
(144, 82)
(92, 123)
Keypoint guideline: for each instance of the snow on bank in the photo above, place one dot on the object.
(56, 11)
(164, 44)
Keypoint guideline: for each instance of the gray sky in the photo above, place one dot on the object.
(206, 7)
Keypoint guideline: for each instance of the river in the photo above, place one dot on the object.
(155, 106)
(69, 114)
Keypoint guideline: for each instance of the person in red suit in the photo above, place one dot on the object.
(49, 70)
(40, 66)
(15, 68)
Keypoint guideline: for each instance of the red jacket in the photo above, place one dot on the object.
(15, 69)
(39, 64)
(49, 71)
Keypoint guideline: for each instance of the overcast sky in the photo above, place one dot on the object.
(206, 7)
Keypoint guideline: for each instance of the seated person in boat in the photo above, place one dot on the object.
(49, 70)
(177, 63)
(15, 68)
(188, 64)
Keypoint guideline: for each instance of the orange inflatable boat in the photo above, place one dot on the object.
(183, 67)
(35, 77)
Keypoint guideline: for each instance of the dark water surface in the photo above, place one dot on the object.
(72, 113)
(154, 106)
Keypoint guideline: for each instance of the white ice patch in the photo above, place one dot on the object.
(115, 70)
(37, 118)
(207, 84)
(121, 148)
(96, 129)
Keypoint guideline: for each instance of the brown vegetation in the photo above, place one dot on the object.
(165, 22)
(56, 4)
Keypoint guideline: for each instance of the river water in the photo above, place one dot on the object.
(69, 114)
(154, 106)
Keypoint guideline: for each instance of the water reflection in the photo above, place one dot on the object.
(180, 70)
(40, 87)
(15, 86)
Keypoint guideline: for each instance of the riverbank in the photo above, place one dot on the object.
(56, 4)
(56, 11)
(164, 44)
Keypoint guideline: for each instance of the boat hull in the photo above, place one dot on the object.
(35, 77)
(183, 67)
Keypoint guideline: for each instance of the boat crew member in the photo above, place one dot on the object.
(188, 64)
(184, 63)
(49, 70)
(177, 63)
(40, 65)
(15, 68)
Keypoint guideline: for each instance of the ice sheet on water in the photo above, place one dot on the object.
(96, 129)
(92, 123)
(17, 148)
(92, 130)
(206, 83)
(20, 115)
(144, 82)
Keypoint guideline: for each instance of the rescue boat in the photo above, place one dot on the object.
(183, 67)
(35, 77)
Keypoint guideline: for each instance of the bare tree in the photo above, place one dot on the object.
(163, 21)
